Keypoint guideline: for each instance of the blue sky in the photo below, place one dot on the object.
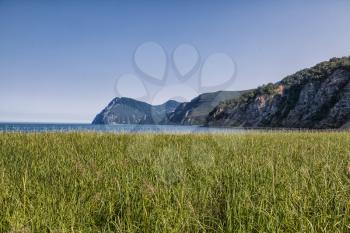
(59, 60)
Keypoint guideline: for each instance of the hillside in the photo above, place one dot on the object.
(196, 111)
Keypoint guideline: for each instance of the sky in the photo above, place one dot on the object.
(64, 61)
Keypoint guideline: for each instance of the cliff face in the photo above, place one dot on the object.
(129, 111)
(318, 97)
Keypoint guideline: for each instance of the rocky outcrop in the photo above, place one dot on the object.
(129, 111)
(318, 97)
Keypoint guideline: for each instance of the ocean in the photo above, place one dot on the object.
(119, 128)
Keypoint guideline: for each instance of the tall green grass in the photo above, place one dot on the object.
(253, 182)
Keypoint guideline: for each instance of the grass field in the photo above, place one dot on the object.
(252, 182)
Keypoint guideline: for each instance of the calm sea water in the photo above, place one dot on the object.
(50, 127)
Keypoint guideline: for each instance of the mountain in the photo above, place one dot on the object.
(318, 97)
(196, 111)
(129, 111)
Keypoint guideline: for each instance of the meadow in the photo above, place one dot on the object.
(243, 182)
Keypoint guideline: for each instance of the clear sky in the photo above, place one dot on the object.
(59, 60)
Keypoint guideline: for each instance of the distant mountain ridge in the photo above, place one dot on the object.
(130, 111)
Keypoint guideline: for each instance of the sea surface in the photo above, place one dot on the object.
(120, 128)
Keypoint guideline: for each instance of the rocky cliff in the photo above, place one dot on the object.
(318, 97)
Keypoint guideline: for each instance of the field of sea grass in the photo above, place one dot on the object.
(243, 182)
